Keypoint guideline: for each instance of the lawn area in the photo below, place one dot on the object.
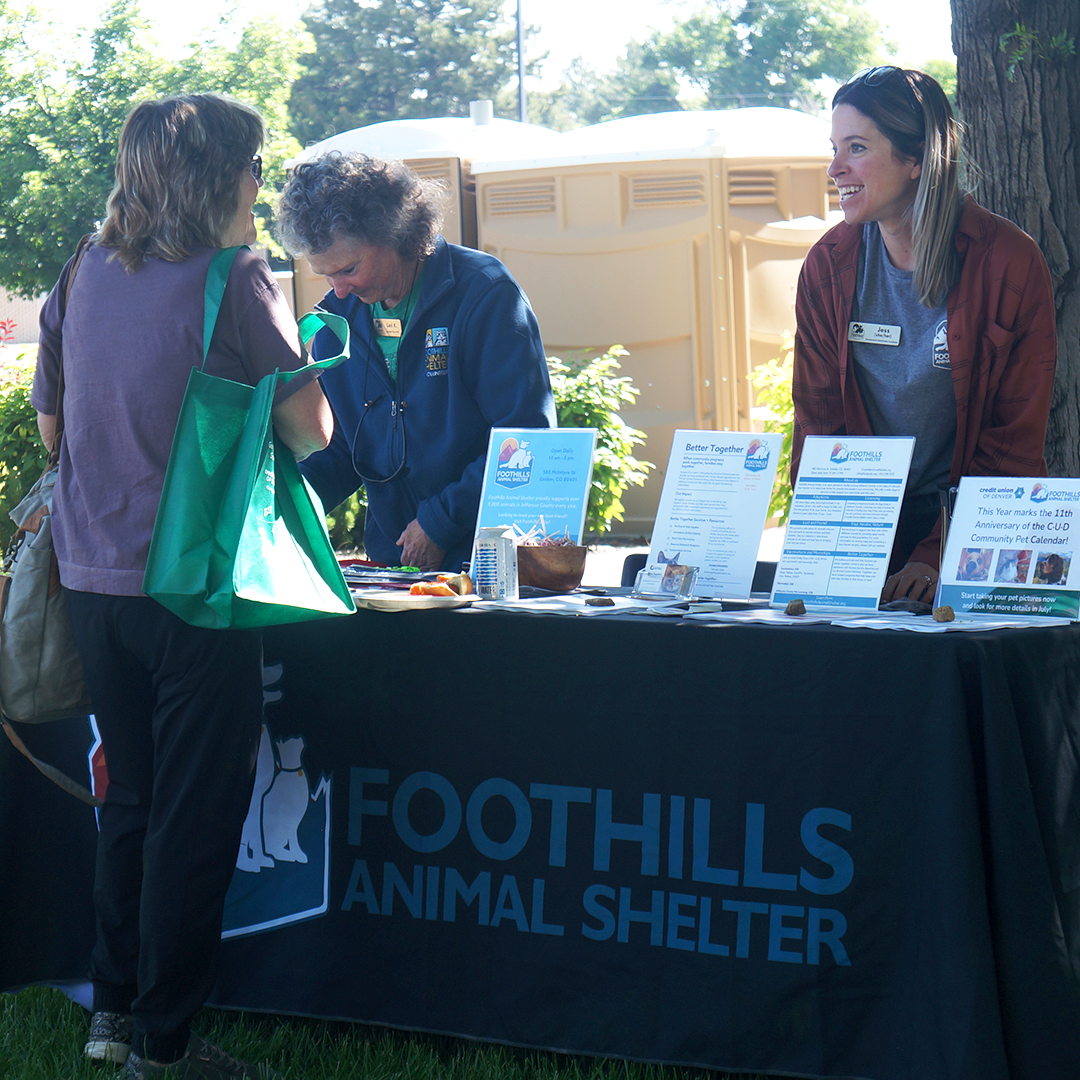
(42, 1034)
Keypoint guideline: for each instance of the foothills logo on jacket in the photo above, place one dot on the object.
(436, 350)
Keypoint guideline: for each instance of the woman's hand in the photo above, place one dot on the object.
(418, 549)
(916, 581)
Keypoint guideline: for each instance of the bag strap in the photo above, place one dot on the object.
(217, 277)
(309, 325)
(58, 426)
(54, 774)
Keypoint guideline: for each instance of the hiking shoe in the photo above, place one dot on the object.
(201, 1061)
(109, 1040)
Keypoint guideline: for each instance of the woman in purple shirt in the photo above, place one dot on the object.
(178, 707)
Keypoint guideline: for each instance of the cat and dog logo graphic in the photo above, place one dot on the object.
(282, 873)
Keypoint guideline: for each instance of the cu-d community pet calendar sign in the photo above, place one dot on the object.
(1011, 546)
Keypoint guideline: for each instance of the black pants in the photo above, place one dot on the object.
(179, 711)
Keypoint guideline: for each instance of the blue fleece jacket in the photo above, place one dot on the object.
(471, 359)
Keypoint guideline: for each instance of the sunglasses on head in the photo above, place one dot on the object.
(874, 76)
(256, 167)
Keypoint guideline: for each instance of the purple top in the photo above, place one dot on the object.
(130, 341)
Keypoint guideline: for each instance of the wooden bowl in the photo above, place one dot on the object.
(557, 568)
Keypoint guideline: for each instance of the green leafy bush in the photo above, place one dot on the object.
(22, 455)
(772, 381)
(588, 393)
(345, 523)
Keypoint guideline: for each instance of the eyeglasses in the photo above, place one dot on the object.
(874, 76)
(256, 167)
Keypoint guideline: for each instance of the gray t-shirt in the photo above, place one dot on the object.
(130, 342)
(907, 388)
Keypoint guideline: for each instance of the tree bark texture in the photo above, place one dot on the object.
(1020, 107)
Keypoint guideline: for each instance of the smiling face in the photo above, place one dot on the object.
(375, 274)
(874, 183)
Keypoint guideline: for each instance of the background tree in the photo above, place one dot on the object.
(61, 124)
(1018, 89)
(944, 71)
(260, 69)
(769, 52)
(636, 85)
(394, 59)
(730, 54)
(58, 140)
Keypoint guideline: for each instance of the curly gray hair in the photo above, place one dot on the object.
(352, 196)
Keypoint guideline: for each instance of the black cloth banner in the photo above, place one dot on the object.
(807, 851)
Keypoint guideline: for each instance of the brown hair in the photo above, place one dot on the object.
(178, 172)
(914, 114)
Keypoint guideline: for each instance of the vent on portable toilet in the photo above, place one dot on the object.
(431, 170)
(752, 187)
(528, 198)
(668, 189)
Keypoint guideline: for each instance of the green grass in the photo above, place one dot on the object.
(42, 1034)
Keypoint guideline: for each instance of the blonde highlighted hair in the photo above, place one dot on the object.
(178, 172)
(914, 114)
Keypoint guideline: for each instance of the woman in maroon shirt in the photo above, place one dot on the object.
(896, 167)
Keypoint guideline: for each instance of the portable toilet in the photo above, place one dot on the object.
(677, 235)
(442, 148)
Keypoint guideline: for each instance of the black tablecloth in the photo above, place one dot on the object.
(809, 851)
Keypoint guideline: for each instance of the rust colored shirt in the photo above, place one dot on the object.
(1002, 350)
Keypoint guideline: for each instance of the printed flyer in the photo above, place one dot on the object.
(1010, 547)
(842, 522)
(713, 507)
(534, 473)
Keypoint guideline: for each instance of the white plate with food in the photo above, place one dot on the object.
(447, 591)
(400, 600)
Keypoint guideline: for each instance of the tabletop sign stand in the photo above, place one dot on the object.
(538, 473)
(1010, 547)
(712, 513)
(842, 522)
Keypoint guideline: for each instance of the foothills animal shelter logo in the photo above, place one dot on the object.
(515, 464)
(757, 456)
(283, 865)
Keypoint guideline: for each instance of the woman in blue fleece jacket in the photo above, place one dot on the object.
(444, 348)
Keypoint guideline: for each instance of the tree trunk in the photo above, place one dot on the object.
(1021, 111)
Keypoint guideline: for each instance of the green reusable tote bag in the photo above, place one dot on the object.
(240, 537)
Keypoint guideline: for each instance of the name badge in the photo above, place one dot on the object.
(873, 333)
(387, 327)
